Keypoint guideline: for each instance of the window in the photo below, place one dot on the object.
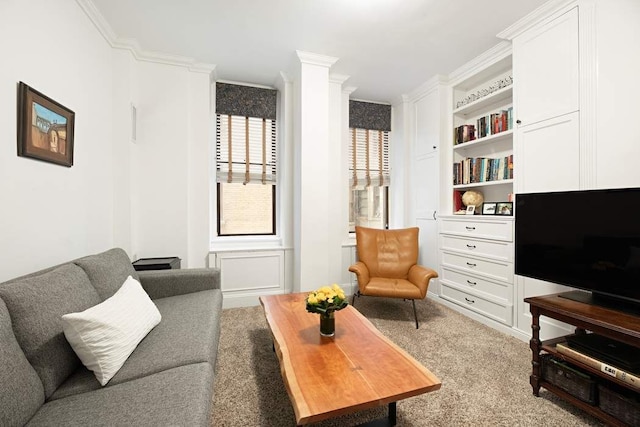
(369, 165)
(246, 159)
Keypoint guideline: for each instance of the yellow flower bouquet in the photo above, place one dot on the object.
(326, 301)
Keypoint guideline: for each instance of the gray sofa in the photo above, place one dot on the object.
(167, 380)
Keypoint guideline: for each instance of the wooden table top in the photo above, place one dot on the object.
(358, 368)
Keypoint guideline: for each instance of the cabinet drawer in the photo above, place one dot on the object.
(495, 229)
(490, 248)
(499, 312)
(492, 269)
(478, 284)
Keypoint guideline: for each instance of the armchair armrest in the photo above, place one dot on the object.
(166, 283)
(362, 273)
(420, 276)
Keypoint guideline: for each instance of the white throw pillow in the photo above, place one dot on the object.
(104, 335)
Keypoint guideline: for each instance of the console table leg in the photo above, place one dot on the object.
(535, 344)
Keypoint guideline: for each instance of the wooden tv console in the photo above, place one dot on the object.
(611, 323)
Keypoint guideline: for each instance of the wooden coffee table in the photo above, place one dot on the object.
(358, 368)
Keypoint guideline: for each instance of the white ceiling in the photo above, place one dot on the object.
(387, 47)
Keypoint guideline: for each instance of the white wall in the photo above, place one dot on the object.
(170, 176)
(50, 213)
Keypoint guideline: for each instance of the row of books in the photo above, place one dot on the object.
(495, 123)
(626, 377)
(482, 169)
(485, 126)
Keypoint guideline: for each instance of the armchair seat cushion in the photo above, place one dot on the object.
(391, 288)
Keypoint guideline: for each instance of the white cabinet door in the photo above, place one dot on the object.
(427, 196)
(427, 124)
(545, 70)
(427, 187)
(548, 155)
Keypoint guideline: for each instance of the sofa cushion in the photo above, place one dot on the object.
(188, 333)
(36, 305)
(103, 336)
(108, 270)
(175, 397)
(22, 392)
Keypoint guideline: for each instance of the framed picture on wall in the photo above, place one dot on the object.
(45, 127)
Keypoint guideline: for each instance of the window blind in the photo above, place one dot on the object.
(246, 149)
(369, 155)
(369, 125)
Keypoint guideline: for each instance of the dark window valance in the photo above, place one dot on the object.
(367, 115)
(246, 101)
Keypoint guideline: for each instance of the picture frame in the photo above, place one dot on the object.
(45, 127)
(504, 208)
(471, 209)
(489, 208)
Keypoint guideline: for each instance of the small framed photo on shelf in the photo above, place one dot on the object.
(504, 208)
(471, 209)
(489, 208)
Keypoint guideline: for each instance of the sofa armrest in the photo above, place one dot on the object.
(166, 283)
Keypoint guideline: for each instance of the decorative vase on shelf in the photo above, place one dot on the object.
(328, 324)
(473, 198)
(326, 301)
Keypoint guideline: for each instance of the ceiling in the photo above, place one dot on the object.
(387, 47)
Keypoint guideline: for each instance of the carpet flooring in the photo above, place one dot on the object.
(484, 373)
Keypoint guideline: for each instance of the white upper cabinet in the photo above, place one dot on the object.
(427, 124)
(546, 70)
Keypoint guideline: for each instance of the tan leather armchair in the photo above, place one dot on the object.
(387, 265)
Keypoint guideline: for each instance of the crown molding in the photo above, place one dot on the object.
(480, 62)
(431, 85)
(547, 9)
(285, 77)
(338, 78)
(316, 59)
(134, 47)
(98, 20)
(348, 90)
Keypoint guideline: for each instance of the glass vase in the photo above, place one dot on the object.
(327, 324)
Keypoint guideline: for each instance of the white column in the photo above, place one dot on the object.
(337, 186)
(314, 203)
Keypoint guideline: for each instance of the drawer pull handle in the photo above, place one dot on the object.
(470, 228)
(470, 301)
(471, 246)
(471, 265)
(471, 283)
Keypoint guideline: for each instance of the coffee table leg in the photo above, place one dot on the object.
(392, 413)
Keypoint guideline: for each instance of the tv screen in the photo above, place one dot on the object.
(583, 239)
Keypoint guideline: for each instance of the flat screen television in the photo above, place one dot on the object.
(588, 240)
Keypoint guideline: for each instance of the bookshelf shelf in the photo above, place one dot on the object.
(497, 97)
(506, 135)
(484, 184)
